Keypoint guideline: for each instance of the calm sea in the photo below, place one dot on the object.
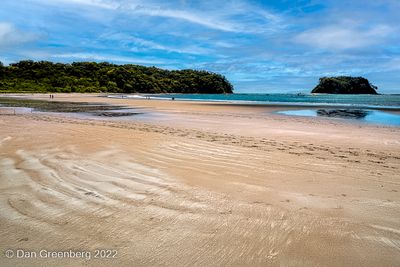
(365, 101)
(360, 108)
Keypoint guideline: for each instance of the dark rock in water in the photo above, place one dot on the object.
(343, 113)
(344, 85)
(115, 114)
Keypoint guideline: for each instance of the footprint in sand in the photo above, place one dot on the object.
(5, 140)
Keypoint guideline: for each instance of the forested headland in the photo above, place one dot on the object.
(29, 76)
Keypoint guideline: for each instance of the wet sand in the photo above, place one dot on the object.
(197, 184)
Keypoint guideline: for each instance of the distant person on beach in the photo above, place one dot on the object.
(173, 98)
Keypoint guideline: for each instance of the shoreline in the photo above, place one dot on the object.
(179, 106)
(237, 103)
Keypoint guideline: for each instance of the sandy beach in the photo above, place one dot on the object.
(198, 184)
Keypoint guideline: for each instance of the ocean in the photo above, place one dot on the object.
(373, 109)
(360, 101)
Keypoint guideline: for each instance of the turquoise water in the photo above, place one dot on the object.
(360, 115)
(361, 108)
(371, 101)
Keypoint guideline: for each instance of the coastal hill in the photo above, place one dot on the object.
(44, 76)
(344, 85)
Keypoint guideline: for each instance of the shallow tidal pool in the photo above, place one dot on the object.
(360, 115)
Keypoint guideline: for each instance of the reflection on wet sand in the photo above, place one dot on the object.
(343, 113)
(357, 115)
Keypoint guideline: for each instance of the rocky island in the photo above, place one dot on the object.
(344, 85)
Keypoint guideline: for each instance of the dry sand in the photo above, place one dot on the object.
(198, 184)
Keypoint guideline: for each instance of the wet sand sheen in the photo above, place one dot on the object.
(180, 195)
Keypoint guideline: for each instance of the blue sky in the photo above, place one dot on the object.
(260, 46)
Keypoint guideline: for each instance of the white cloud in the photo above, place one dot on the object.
(151, 10)
(224, 18)
(136, 44)
(186, 15)
(343, 37)
(108, 58)
(93, 3)
(392, 65)
(221, 17)
(11, 36)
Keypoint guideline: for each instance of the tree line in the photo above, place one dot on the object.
(44, 76)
